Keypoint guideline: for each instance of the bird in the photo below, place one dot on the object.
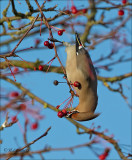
(80, 69)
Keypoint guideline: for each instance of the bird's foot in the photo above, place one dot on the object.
(69, 114)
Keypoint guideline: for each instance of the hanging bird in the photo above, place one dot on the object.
(80, 69)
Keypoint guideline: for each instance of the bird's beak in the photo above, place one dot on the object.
(78, 42)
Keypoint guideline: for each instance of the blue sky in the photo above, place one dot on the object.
(115, 114)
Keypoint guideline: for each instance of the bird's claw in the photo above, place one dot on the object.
(69, 114)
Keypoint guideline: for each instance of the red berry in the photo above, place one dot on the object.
(37, 41)
(15, 69)
(76, 84)
(34, 126)
(46, 43)
(64, 112)
(57, 107)
(73, 7)
(84, 10)
(105, 154)
(60, 114)
(74, 10)
(23, 106)
(124, 1)
(102, 157)
(14, 94)
(50, 46)
(60, 32)
(120, 12)
(40, 67)
(14, 118)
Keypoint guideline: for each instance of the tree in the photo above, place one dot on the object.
(31, 60)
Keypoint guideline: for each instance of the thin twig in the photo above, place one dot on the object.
(12, 52)
(26, 146)
(50, 32)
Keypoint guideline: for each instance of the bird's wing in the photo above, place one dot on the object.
(85, 64)
(83, 59)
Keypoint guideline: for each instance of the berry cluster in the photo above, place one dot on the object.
(49, 45)
(75, 11)
(121, 12)
(62, 113)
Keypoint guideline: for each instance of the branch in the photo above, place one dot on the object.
(111, 33)
(31, 65)
(90, 19)
(6, 124)
(49, 149)
(51, 35)
(12, 52)
(114, 79)
(119, 90)
(12, 154)
(78, 125)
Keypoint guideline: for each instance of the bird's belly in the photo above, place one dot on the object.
(87, 95)
(76, 75)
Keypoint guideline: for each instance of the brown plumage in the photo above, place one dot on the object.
(79, 68)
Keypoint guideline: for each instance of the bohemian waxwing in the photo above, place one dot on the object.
(79, 67)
